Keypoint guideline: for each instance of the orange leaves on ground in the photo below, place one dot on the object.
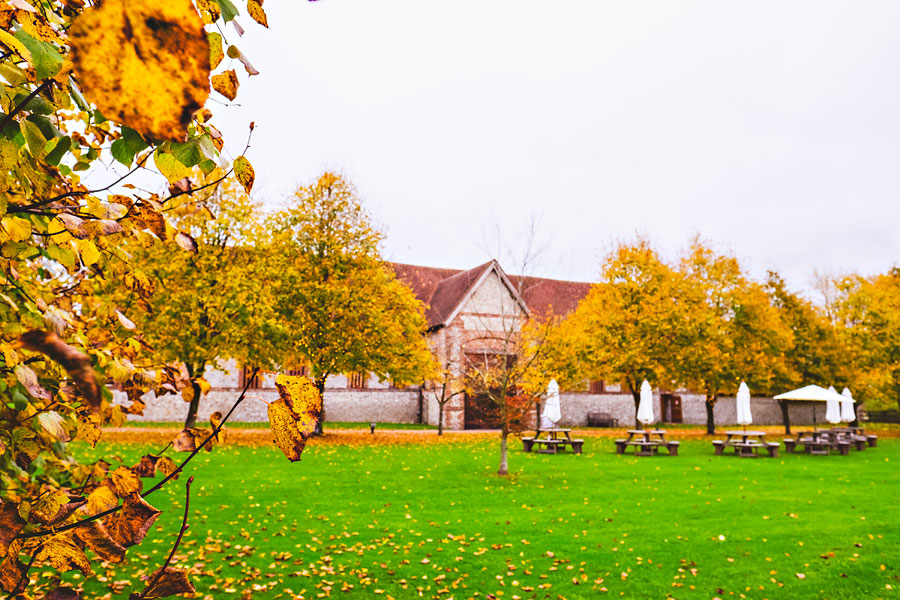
(226, 84)
(130, 525)
(243, 170)
(294, 415)
(144, 64)
(172, 582)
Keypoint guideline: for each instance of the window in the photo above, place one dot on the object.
(357, 381)
(255, 383)
(302, 371)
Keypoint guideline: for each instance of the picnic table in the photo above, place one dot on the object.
(746, 444)
(647, 442)
(550, 441)
(823, 441)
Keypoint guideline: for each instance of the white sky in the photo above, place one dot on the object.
(771, 128)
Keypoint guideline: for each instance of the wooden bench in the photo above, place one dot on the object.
(719, 446)
(772, 449)
(859, 441)
(620, 445)
(602, 419)
(672, 447)
(789, 445)
(843, 447)
(815, 447)
(872, 440)
(550, 446)
(642, 448)
(527, 444)
(747, 449)
(576, 445)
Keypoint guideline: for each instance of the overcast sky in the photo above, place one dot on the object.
(770, 128)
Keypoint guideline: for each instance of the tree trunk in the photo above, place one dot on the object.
(504, 463)
(441, 418)
(191, 419)
(711, 415)
(785, 416)
(637, 403)
(320, 386)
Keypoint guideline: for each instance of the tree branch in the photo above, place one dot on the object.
(12, 114)
(166, 479)
(184, 526)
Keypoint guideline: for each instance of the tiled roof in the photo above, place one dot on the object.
(442, 290)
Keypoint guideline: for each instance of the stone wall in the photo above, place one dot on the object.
(383, 406)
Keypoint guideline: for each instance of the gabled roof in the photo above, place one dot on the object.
(444, 290)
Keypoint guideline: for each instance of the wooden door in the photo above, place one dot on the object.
(670, 408)
(481, 412)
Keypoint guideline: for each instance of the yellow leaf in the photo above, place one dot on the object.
(171, 582)
(63, 555)
(126, 482)
(226, 84)
(254, 7)
(216, 54)
(101, 499)
(243, 170)
(90, 255)
(294, 415)
(17, 229)
(143, 63)
(170, 167)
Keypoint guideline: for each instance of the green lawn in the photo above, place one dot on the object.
(434, 520)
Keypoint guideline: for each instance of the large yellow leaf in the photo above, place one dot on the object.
(294, 415)
(254, 7)
(143, 63)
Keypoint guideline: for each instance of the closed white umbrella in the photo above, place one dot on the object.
(743, 405)
(833, 407)
(645, 408)
(551, 415)
(848, 415)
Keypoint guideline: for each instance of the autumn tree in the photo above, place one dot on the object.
(85, 86)
(213, 304)
(732, 334)
(503, 365)
(815, 354)
(629, 327)
(342, 310)
(867, 314)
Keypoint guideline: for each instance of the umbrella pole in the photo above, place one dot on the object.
(814, 417)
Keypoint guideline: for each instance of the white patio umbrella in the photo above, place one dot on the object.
(743, 406)
(645, 408)
(810, 393)
(833, 407)
(551, 415)
(848, 415)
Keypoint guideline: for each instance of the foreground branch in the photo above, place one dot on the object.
(166, 479)
(184, 526)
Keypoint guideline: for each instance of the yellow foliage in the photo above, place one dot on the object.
(226, 84)
(143, 63)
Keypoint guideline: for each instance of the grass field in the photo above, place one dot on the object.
(329, 425)
(433, 520)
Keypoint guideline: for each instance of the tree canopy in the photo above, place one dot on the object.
(342, 309)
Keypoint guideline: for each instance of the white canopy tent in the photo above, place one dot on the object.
(811, 393)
